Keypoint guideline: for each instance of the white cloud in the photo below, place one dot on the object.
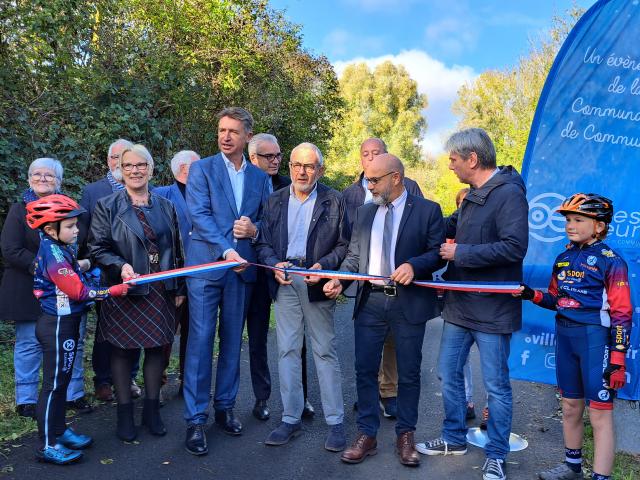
(451, 36)
(382, 5)
(438, 81)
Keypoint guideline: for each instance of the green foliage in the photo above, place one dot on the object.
(381, 103)
(74, 76)
(503, 102)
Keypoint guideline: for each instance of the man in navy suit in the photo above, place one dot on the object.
(225, 195)
(91, 193)
(176, 193)
(397, 235)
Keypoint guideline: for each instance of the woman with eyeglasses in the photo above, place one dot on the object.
(135, 232)
(18, 305)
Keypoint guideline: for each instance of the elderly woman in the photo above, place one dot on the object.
(135, 232)
(17, 303)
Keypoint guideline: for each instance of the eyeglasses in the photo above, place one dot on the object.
(141, 167)
(308, 167)
(375, 180)
(270, 157)
(47, 177)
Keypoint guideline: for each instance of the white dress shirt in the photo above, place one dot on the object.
(236, 177)
(368, 196)
(377, 230)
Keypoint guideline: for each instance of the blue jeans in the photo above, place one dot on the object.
(494, 355)
(27, 359)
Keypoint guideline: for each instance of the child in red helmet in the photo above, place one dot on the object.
(589, 289)
(64, 296)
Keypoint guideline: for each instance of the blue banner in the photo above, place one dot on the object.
(585, 137)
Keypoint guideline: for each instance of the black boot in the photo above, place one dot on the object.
(126, 429)
(151, 417)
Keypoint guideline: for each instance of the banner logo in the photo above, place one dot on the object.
(545, 224)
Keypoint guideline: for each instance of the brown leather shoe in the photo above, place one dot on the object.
(361, 448)
(406, 449)
(104, 393)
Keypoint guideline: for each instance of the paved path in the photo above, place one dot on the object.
(246, 457)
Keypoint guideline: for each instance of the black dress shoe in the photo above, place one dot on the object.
(228, 422)
(261, 410)
(308, 411)
(196, 442)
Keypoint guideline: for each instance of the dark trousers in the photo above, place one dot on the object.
(59, 339)
(378, 315)
(182, 323)
(101, 360)
(257, 330)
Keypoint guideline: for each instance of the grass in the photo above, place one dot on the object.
(625, 467)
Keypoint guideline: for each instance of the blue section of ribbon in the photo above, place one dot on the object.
(585, 137)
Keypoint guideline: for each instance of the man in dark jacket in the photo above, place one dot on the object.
(355, 195)
(91, 193)
(397, 235)
(491, 236)
(305, 226)
(264, 153)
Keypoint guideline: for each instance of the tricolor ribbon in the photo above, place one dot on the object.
(481, 287)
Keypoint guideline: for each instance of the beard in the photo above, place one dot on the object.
(381, 198)
(303, 187)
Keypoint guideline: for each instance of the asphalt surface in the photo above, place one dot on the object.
(246, 456)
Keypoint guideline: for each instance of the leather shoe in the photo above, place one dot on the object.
(196, 442)
(361, 448)
(228, 422)
(104, 393)
(308, 411)
(261, 410)
(406, 449)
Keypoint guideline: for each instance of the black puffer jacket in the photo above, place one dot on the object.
(491, 230)
(116, 237)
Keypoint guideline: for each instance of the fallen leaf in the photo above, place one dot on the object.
(106, 461)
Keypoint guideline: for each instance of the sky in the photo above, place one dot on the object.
(443, 44)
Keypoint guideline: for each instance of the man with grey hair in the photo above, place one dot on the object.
(176, 193)
(491, 234)
(317, 237)
(264, 153)
(225, 197)
(91, 193)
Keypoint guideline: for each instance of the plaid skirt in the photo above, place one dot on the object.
(138, 321)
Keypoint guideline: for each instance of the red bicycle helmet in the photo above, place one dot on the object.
(590, 205)
(51, 208)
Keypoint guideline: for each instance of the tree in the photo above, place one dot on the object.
(74, 76)
(503, 102)
(382, 103)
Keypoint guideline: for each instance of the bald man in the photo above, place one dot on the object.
(397, 235)
(356, 195)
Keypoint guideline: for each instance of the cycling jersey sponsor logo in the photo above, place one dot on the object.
(588, 267)
(92, 294)
(65, 272)
(57, 253)
(608, 253)
(562, 275)
(562, 264)
(69, 344)
(604, 395)
(566, 302)
(592, 260)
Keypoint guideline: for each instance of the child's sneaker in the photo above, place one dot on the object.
(74, 441)
(59, 454)
(561, 472)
